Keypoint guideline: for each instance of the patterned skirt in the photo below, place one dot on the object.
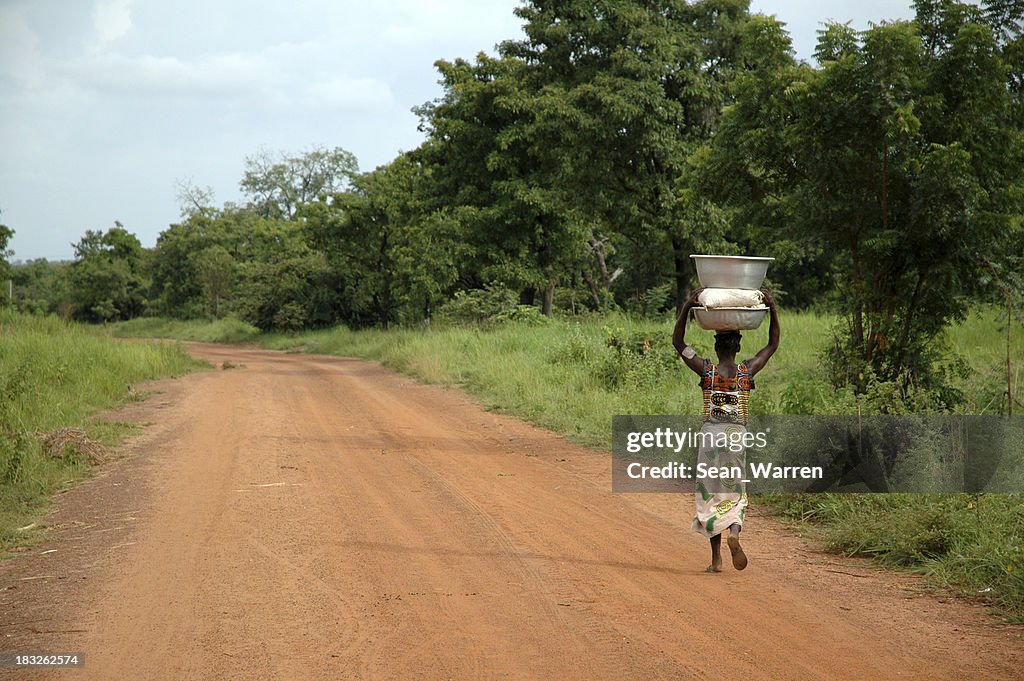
(721, 501)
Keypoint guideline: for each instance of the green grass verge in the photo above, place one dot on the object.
(228, 330)
(971, 544)
(56, 375)
(572, 376)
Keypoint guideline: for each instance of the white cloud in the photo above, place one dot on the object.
(111, 19)
(147, 75)
(19, 57)
(343, 92)
(290, 75)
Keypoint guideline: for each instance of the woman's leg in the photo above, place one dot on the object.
(739, 558)
(716, 554)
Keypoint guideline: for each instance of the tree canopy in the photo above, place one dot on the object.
(900, 155)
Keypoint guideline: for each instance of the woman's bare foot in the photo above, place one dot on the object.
(739, 559)
(716, 565)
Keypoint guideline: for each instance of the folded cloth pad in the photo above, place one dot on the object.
(730, 297)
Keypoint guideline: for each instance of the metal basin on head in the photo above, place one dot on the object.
(731, 271)
(730, 318)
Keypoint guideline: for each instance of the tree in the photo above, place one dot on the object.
(6, 234)
(573, 146)
(176, 289)
(487, 180)
(901, 156)
(107, 280)
(392, 257)
(194, 200)
(216, 270)
(179, 286)
(622, 92)
(293, 293)
(278, 184)
(41, 287)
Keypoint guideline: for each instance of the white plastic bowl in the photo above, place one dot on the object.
(730, 318)
(731, 271)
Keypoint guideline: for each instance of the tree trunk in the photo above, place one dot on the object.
(607, 279)
(597, 248)
(549, 298)
(595, 293)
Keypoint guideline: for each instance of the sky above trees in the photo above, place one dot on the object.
(106, 106)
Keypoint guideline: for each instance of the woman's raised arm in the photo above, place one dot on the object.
(679, 336)
(758, 361)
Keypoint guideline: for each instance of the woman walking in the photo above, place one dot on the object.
(721, 503)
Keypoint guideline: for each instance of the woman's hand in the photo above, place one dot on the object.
(768, 299)
(694, 297)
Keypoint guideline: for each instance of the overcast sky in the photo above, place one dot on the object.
(106, 105)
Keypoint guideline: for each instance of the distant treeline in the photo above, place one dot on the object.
(581, 166)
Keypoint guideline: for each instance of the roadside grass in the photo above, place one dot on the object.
(617, 364)
(971, 544)
(55, 375)
(228, 330)
(573, 375)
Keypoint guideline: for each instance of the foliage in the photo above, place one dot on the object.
(901, 157)
(389, 259)
(478, 306)
(107, 280)
(41, 287)
(619, 95)
(288, 294)
(485, 177)
(216, 271)
(278, 184)
(570, 148)
(6, 234)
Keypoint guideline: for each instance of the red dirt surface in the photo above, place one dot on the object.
(308, 517)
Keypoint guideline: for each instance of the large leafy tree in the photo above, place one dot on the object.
(178, 287)
(392, 257)
(42, 287)
(278, 184)
(288, 293)
(572, 145)
(487, 177)
(216, 271)
(900, 155)
(107, 277)
(621, 93)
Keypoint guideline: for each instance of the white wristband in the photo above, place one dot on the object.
(688, 352)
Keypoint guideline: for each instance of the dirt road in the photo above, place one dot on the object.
(304, 517)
